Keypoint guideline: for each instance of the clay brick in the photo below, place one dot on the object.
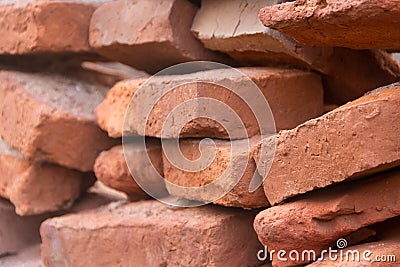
(51, 118)
(161, 35)
(111, 169)
(239, 196)
(347, 74)
(287, 91)
(352, 141)
(110, 113)
(357, 24)
(318, 220)
(17, 232)
(40, 26)
(38, 188)
(151, 234)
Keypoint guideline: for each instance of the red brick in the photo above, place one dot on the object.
(40, 26)
(318, 220)
(51, 118)
(287, 91)
(352, 141)
(111, 169)
(347, 74)
(151, 234)
(110, 113)
(161, 35)
(357, 24)
(38, 188)
(239, 196)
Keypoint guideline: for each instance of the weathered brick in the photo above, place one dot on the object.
(51, 118)
(40, 26)
(149, 233)
(318, 220)
(347, 74)
(293, 96)
(352, 141)
(161, 35)
(110, 113)
(18, 232)
(357, 24)
(239, 196)
(38, 188)
(111, 168)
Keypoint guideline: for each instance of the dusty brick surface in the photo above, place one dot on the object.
(40, 26)
(38, 188)
(161, 38)
(239, 196)
(51, 118)
(322, 217)
(352, 141)
(195, 236)
(288, 92)
(357, 24)
(347, 74)
(111, 169)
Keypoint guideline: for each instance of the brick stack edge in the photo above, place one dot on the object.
(70, 68)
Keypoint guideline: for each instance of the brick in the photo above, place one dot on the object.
(110, 113)
(239, 196)
(17, 232)
(347, 74)
(338, 23)
(27, 257)
(38, 188)
(51, 118)
(352, 141)
(318, 220)
(111, 169)
(287, 91)
(196, 236)
(161, 37)
(40, 26)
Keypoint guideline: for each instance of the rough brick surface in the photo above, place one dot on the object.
(40, 26)
(354, 140)
(161, 37)
(110, 113)
(17, 232)
(357, 24)
(288, 92)
(51, 118)
(322, 217)
(347, 74)
(239, 196)
(151, 234)
(38, 188)
(111, 169)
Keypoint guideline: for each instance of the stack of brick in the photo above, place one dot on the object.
(334, 175)
(49, 138)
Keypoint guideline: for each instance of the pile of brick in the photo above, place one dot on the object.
(71, 192)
